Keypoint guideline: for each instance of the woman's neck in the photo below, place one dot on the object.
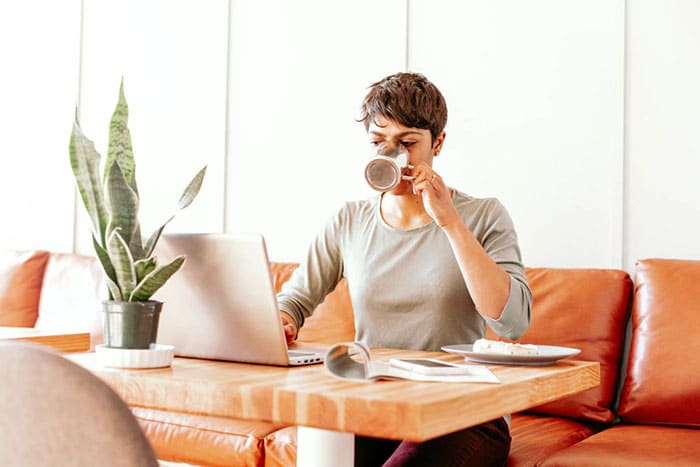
(404, 212)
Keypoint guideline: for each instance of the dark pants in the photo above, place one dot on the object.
(487, 444)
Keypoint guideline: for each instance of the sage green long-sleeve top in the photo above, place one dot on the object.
(406, 287)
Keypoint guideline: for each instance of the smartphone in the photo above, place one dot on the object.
(429, 366)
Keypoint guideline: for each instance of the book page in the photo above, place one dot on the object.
(352, 361)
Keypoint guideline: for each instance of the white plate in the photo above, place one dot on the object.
(158, 356)
(546, 355)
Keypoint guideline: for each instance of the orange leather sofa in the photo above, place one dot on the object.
(645, 412)
(658, 414)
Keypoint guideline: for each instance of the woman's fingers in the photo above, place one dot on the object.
(290, 329)
(424, 175)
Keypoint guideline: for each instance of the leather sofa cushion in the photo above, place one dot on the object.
(585, 309)
(204, 439)
(633, 446)
(332, 321)
(535, 437)
(70, 298)
(281, 447)
(662, 384)
(21, 276)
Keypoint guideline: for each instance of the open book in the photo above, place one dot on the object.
(352, 360)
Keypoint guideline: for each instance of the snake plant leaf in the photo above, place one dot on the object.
(186, 199)
(85, 162)
(153, 239)
(103, 256)
(144, 267)
(132, 182)
(123, 205)
(114, 292)
(136, 243)
(192, 189)
(120, 149)
(123, 263)
(155, 280)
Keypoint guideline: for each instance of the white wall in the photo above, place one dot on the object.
(535, 95)
(39, 53)
(587, 133)
(662, 171)
(299, 71)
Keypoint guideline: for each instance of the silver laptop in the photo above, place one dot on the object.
(221, 305)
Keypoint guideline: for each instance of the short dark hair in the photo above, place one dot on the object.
(406, 98)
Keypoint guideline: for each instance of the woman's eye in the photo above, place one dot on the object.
(374, 143)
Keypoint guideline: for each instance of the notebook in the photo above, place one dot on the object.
(221, 305)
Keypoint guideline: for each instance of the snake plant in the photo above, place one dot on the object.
(112, 202)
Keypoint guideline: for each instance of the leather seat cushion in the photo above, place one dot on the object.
(663, 382)
(585, 309)
(70, 298)
(21, 276)
(204, 439)
(633, 446)
(534, 437)
(281, 447)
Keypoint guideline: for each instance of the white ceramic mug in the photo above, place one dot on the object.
(385, 170)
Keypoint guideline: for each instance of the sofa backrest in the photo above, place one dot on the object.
(70, 296)
(662, 383)
(586, 309)
(21, 276)
(61, 292)
(332, 321)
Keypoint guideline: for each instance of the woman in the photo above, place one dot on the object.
(426, 266)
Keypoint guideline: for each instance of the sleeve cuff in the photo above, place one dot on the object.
(515, 316)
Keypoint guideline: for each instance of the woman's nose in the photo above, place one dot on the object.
(389, 149)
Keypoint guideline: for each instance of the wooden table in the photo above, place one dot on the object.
(64, 341)
(334, 410)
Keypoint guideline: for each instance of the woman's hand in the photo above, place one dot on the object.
(290, 328)
(437, 197)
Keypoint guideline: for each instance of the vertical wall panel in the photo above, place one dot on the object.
(535, 95)
(662, 202)
(39, 52)
(299, 71)
(172, 55)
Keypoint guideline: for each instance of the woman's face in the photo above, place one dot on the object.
(384, 134)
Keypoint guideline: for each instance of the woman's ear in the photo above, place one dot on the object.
(437, 147)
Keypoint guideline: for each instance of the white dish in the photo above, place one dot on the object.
(158, 356)
(546, 355)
